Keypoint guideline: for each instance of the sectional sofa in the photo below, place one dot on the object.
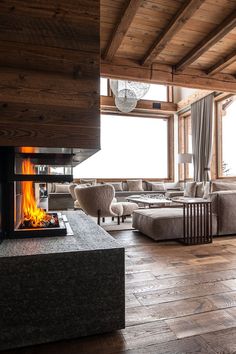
(122, 190)
(60, 197)
(167, 223)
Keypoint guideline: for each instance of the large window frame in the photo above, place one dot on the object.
(145, 109)
(169, 93)
(218, 143)
(184, 128)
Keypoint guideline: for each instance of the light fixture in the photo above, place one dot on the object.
(127, 93)
(185, 158)
(126, 101)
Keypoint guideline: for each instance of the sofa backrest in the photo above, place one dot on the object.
(222, 186)
(224, 205)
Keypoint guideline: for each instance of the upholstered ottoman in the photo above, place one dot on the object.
(129, 207)
(162, 223)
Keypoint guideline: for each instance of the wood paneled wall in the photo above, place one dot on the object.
(49, 73)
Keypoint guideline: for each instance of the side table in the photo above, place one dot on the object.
(197, 220)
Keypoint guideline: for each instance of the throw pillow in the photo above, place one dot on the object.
(158, 187)
(190, 189)
(117, 186)
(62, 188)
(135, 185)
(91, 181)
(207, 190)
(199, 189)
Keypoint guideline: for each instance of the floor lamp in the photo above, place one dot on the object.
(185, 158)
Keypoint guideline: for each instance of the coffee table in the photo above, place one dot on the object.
(151, 202)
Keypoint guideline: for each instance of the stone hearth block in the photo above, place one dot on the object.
(61, 288)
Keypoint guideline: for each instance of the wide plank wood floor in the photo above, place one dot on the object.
(179, 299)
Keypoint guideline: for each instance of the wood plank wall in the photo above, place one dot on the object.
(49, 73)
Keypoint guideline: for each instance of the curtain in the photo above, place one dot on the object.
(202, 137)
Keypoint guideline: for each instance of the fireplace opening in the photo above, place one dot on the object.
(31, 210)
(24, 177)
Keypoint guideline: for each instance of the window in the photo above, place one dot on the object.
(156, 93)
(226, 128)
(131, 147)
(185, 144)
(103, 86)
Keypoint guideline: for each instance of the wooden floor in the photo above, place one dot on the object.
(179, 299)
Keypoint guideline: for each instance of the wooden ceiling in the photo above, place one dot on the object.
(182, 35)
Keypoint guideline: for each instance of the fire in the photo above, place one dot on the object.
(27, 149)
(33, 215)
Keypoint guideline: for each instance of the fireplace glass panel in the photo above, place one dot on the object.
(43, 169)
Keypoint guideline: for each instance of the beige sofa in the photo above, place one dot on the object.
(148, 187)
(61, 198)
(162, 224)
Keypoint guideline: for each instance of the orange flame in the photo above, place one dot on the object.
(27, 149)
(31, 212)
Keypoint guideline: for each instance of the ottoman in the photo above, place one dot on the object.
(128, 208)
(162, 223)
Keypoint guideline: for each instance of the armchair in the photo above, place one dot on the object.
(97, 201)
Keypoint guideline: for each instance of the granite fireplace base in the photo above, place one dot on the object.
(61, 287)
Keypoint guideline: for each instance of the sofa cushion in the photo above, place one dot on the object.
(135, 185)
(62, 188)
(199, 190)
(157, 186)
(223, 186)
(207, 190)
(124, 186)
(117, 186)
(190, 189)
(90, 181)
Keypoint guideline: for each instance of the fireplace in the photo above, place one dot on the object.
(24, 175)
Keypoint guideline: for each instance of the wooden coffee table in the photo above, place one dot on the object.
(151, 202)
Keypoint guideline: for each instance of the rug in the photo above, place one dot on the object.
(114, 227)
(110, 225)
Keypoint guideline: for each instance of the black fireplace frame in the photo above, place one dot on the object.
(8, 178)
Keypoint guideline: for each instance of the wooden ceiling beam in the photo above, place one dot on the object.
(108, 103)
(223, 63)
(121, 68)
(212, 38)
(186, 102)
(122, 28)
(175, 25)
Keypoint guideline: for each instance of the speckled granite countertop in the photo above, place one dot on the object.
(87, 236)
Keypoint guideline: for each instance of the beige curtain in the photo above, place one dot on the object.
(202, 134)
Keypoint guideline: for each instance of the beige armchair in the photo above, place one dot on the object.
(98, 201)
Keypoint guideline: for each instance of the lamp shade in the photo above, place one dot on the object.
(185, 158)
